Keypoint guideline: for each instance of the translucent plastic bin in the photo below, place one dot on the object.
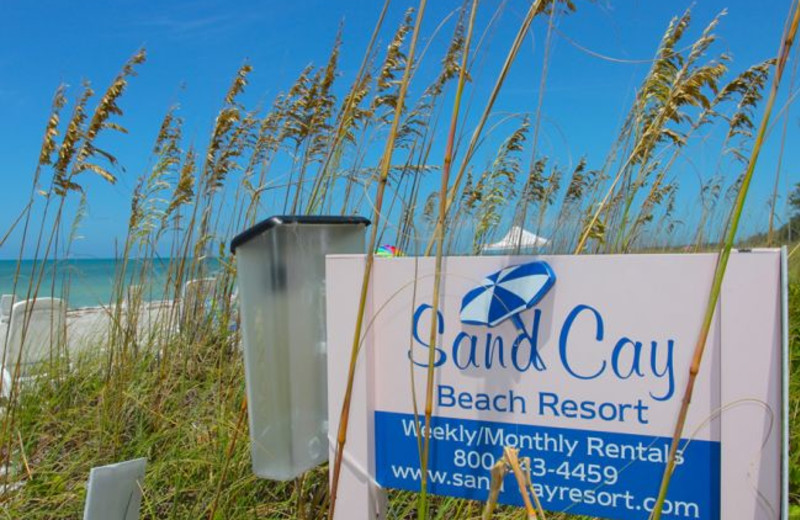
(281, 278)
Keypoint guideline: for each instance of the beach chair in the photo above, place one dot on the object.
(6, 301)
(132, 307)
(235, 310)
(144, 318)
(134, 296)
(197, 299)
(235, 323)
(35, 328)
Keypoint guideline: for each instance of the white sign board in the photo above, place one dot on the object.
(114, 492)
(586, 380)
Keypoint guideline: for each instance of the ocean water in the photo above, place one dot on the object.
(88, 283)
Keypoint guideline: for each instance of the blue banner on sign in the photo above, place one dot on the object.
(607, 475)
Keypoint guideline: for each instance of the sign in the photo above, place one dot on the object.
(114, 492)
(578, 361)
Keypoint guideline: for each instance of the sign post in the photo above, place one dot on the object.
(582, 369)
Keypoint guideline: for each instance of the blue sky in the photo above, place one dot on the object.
(194, 48)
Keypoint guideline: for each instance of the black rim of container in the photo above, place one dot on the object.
(277, 220)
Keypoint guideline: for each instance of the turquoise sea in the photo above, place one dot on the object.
(89, 282)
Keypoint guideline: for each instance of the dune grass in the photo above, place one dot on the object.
(68, 425)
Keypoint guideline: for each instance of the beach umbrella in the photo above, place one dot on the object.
(387, 251)
(506, 293)
(517, 236)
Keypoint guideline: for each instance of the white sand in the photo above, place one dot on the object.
(88, 327)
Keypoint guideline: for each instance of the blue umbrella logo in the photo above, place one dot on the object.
(507, 293)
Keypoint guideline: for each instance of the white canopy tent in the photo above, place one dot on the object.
(516, 237)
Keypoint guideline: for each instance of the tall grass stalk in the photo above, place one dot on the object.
(774, 199)
(385, 167)
(498, 473)
(534, 9)
(722, 262)
(345, 118)
(512, 456)
(422, 510)
(228, 457)
(76, 155)
(536, 125)
(45, 159)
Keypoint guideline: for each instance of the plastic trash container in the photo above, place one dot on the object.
(281, 279)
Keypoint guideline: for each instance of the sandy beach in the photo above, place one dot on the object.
(88, 327)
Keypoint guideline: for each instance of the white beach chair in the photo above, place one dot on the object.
(134, 296)
(144, 318)
(235, 312)
(6, 301)
(197, 298)
(35, 328)
(235, 320)
(133, 307)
